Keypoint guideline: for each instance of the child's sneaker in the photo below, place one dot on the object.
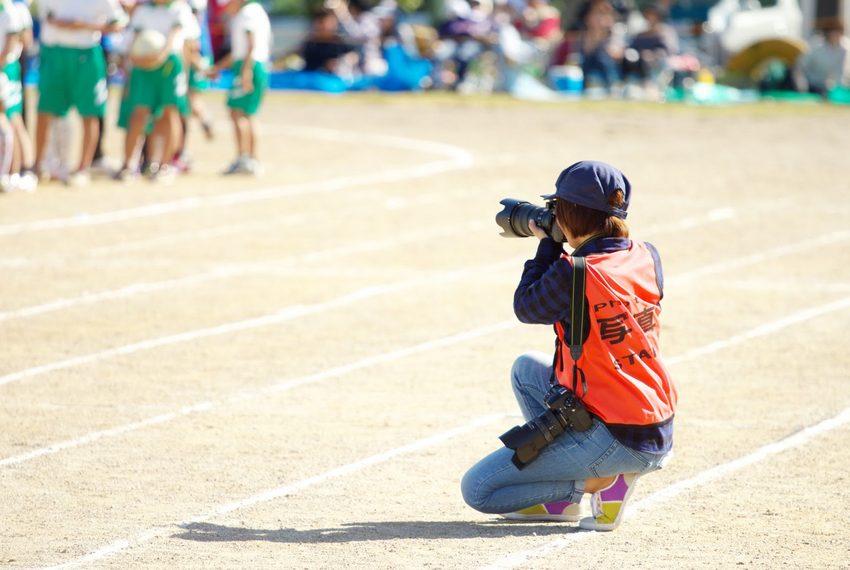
(564, 511)
(609, 504)
(79, 179)
(238, 166)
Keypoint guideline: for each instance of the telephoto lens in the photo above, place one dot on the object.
(514, 219)
(528, 440)
(565, 412)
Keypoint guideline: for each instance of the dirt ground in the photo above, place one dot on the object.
(295, 371)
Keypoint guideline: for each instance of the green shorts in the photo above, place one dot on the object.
(157, 89)
(13, 98)
(248, 103)
(72, 77)
(125, 113)
(124, 110)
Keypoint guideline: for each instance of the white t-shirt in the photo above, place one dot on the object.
(95, 11)
(251, 18)
(22, 13)
(165, 17)
(10, 21)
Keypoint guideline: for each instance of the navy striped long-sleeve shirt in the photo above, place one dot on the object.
(543, 294)
(543, 297)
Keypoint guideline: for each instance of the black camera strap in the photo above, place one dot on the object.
(578, 308)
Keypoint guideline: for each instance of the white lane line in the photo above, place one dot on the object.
(277, 317)
(522, 557)
(168, 240)
(97, 435)
(788, 285)
(702, 478)
(277, 386)
(392, 141)
(454, 158)
(236, 270)
(171, 239)
(764, 329)
(96, 264)
(285, 490)
(761, 330)
(391, 203)
(228, 271)
(691, 222)
(803, 246)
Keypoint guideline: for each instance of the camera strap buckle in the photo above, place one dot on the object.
(578, 308)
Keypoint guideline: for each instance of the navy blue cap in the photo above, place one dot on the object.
(591, 183)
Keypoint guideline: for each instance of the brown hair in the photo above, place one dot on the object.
(829, 25)
(583, 221)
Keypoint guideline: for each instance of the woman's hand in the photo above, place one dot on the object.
(538, 233)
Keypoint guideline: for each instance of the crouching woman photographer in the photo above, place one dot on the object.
(611, 367)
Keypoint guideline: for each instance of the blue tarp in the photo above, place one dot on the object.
(405, 73)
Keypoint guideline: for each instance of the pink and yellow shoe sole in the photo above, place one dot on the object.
(562, 511)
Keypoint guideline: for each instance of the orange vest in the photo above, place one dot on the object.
(626, 381)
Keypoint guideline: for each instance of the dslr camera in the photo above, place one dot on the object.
(516, 214)
(564, 412)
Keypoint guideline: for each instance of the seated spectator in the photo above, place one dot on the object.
(541, 23)
(658, 34)
(514, 50)
(324, 49)
(649, 50)
(826, 64)
(622, 8)
(599, 51)
(363, 28)
(463, 38)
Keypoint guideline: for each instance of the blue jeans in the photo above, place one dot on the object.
(495, 485)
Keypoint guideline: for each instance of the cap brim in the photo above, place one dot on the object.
(548, 196)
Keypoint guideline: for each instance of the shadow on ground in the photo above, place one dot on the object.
(373, 531)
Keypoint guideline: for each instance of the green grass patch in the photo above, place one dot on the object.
(444, 99)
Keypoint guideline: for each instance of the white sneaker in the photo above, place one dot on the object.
(28, 182)
(239, 166)
(104, 166)
(165, 174)
(255, 167)
(60, 173)
(79, 179)
(125, 174)
(7, 184)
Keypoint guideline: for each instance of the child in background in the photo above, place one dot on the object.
(157, 87)
(198, 82)
(197, 64)
(325, 50)
(826, 65)
(22, 176)
(250, 31)
(73, 70)
(10, 28)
